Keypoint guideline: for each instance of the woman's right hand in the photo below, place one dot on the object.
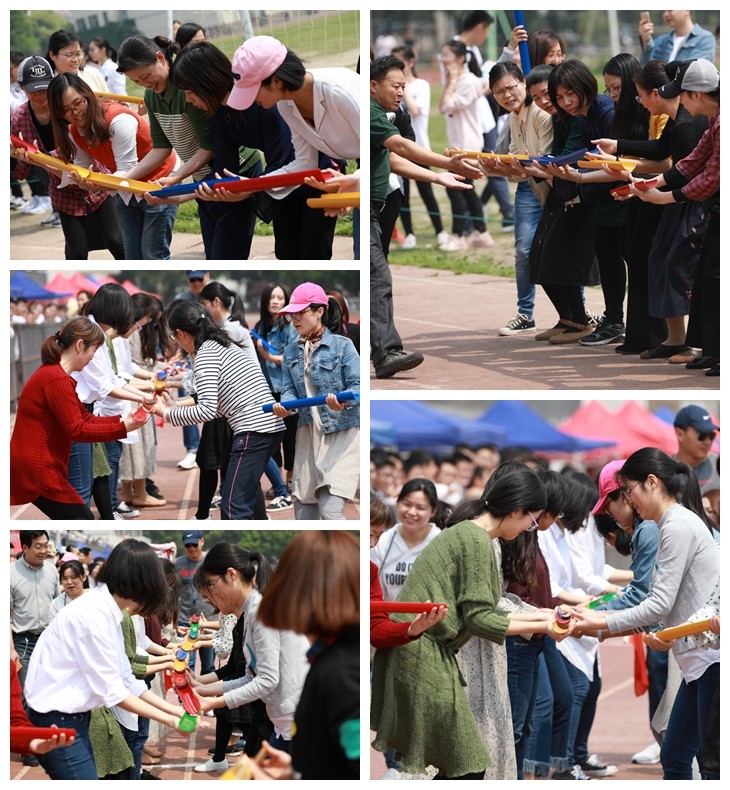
(131, 424)
(606, 145)
(280, 411)
(426, 620)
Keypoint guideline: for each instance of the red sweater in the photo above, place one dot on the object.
(383, 631)
(50, 417)
(18, 717)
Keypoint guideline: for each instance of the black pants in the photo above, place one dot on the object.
(703, 330)
(302, 233)
(388, 218)
(610, 254)
(383, 335)
(425, 190)
(567, 301)
(69, 511)
(97, 231)
(478, 776)
(465, 207)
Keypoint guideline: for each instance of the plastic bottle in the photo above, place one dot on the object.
(160, 382)
(188, 723)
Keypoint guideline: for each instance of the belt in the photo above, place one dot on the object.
(377, 205)
(26, 633)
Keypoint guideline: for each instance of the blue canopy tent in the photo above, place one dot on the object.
(381, 433)
(415, 426)
(24, 287)
(526, 428)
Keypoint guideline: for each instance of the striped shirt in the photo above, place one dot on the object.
(229, 384)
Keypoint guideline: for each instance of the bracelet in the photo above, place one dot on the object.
(600, 636)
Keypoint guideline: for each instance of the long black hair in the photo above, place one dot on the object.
(229, 299)
(249, 564)
(137, 51)
(154, 335)
(205, 71)
(631, 119)
(266, 323)
(582, 494)
(196, 321)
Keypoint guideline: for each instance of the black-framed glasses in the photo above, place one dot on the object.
(703, 437)
(296, 316)
(80, 102)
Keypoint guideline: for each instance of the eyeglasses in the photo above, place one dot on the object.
(626, 490)
(77, 55)
(507, 89)
(173, 335)
(210, 586)
(80, 102)
(612, 92)
(534, 526)
(296, 316)
(703, 437)
(191, 545)
(195, 279)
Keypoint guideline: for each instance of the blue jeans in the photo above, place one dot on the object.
(585, 696)
(356, 234)
(250, 453)
(279, 743)
(656, 666)
(523, 663)
(113, 454)
(688, 724)
(527, 216)
(275, 478)
(146, 230)
(81, 466)
(136, 740)
(71, 762)
(191, 433)
(547, 742)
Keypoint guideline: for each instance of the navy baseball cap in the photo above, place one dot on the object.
(193, 536)
(695, 417)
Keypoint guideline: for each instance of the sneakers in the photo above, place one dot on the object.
(409, 243)
(17, 202)
(43, 204)
(125, 511)
(279, 503)
(478, 239)
(391, 773)
(52, 219)
(29, 204)
(521, 323)
(397, 361)
(216, 501)
(594, 767)
(508, 224)
(211, 766)
(648, 756)
(442, 238)
(454, 244)
(576, 772)
(30, 760)
(188, 462)
(195, 518)
(604, 334)
(231, 751)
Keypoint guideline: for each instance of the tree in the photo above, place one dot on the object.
(30, 30)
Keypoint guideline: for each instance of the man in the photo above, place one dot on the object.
(390, 151)
(33, 585)
(687, 40)
(695, 434)
(85, 557)
(191, 601)
(197, 280)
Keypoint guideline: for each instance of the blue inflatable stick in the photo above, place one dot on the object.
(305, 403)
(524, 51)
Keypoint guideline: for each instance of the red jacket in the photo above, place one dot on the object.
(18, 717)
(50, 417)
(383, 631)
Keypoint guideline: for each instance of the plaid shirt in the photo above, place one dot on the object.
(69, 200)
(700, 171)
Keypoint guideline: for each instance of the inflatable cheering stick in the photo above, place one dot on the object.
(188, 697)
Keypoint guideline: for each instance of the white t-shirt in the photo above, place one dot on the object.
(395, 559)
(419, 93)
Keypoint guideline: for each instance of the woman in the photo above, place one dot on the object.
(697, 177)
(72, 576)
(531, 131)
(563, 250)
(226, 309)
(315, 592)
(322, 109)
(234, 580)
(460, 104)
(50, 416)
(424, 675)
(417, 507)
(189, 33)
(326, 463)
(278, 333)
(687, 571)
(65, 683)
(88, 220)
(229, 383)
(65, 54)
(546, 47)
(104, 55)
(108, 135)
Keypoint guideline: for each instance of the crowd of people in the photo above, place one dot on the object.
(86, 419)
(641, 217)
(203, 116)
(279, 652)
(499, 675)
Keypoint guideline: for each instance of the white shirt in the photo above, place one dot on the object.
(418, 92)
(588, 554)
(115, 82)
(79, 661)
(395, 559)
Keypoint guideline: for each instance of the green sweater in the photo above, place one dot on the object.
(419, 707)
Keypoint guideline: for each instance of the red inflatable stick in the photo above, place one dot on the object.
(188, 697)
(273, 182)
(622, 191)
(18, 142)
(24, 735)
(645, 183)
(402, 606)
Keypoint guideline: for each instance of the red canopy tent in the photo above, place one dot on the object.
(75, 283)
(643, 423)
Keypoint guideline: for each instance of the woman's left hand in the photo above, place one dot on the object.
(280, 411)
(588, 620)
(655, 643)
(333, 403)
(45, 745)
(158, 408)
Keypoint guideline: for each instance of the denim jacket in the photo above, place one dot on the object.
(335, 367)
(280, 336)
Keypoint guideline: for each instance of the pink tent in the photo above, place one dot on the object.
(73, 284)
(643, 423)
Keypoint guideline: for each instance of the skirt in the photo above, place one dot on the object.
(214, 449)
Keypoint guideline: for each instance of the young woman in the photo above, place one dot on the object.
(109, 135)
(65, 683)
(66, 53)
(315, 591)
(324, 362)
(230, 383)
(72, 577)
(104, 56)
(531, 131)
(460, 104)
(50, 417)
(697, 177)
(189, 33)
(89, 220)
(687, 571)
(279, 333)
(418, 702)
(234, 580)
(546, 47)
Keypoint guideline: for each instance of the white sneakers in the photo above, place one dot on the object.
(648, 756)
(188, 462)
(454, 244)
(409, 243)
(483, 239)
(37, 205)
(211, 766)
(391, 773)
(442, 238)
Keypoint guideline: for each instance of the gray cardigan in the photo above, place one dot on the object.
(276, 665)
(686, 571)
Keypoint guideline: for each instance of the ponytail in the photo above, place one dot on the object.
(78, 328)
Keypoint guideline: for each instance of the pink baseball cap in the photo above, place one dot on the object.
(304, 295)
(607, 484)
(253, 62)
